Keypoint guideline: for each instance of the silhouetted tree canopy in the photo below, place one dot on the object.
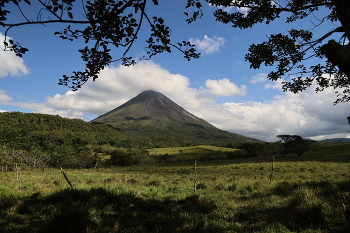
(116, 23)
(287, 52)
(102, 25)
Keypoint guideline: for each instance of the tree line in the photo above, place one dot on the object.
(40, 140)
(285, 144)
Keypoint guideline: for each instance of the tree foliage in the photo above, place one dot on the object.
(294, 144)
(287, 52)
(41, 140)
(102, 25)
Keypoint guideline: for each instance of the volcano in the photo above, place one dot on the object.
(151, 116)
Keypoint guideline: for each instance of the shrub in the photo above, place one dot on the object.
(154, 183)
(237, 154)
(120, 158)
(232, 187)
(201, 186)
(219, 187)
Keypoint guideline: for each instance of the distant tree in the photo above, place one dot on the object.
(101, 24)
(255, 149)
(285, 139)
(293, 144)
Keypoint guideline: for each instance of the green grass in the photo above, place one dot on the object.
(232, 196)
(189, 150)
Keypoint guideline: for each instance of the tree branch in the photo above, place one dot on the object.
(22, 13)
(52, 21)
(307, 7)
(137, 30)
(51, 11)
(111, 17)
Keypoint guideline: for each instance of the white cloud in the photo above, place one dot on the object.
(244, 10)
(45, 108)
(39, 107)
(230, 9)
(117, 85)
(277, 85)
(307, 114)
(4, 97)
(258, 78)
(224, 87)
(208, 45)
(10, 64)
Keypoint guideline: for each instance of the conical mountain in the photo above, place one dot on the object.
(153, 117)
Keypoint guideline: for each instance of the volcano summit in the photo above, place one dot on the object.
(153, 117)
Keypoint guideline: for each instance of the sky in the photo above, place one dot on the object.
(219, 87)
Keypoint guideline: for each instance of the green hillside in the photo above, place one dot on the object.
(31, 129)
(167, 133)
(40, 138)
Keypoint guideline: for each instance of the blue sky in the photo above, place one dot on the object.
(219, 87)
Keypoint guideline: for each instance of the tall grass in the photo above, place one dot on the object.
(231, 196)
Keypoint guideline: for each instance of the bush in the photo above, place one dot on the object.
(120, 158)
(219, 187)
(232, 187)
(237, 154)
(107, 149)
(201, 186)
(154, 183)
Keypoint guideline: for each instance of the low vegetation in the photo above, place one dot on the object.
(231, 196)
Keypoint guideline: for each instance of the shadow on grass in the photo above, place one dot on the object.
(316, 206)
(308, 207)
(101, 210)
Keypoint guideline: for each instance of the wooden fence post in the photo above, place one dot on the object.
(65, 176)
(195, 177)
(272, 167)
(17, 171)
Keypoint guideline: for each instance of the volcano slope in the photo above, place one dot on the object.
(151, 116)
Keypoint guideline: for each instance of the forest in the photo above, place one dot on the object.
(41, 140)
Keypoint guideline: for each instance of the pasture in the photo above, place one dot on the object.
(250, 195)
(202, 149)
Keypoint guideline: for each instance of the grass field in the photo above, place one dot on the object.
(231, 196)
(188, 150)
